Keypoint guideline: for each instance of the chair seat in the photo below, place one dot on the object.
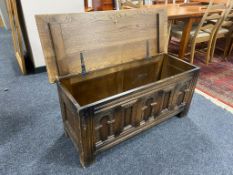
(223, 31)
(177, 32)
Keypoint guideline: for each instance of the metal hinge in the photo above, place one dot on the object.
(147, 49)
(83, 66)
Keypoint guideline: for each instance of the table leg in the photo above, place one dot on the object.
(168, 35)
(185, 37)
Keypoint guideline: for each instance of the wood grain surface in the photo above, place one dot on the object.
(131, 85)
(104, 38)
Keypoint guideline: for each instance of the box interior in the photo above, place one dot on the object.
(97, 88)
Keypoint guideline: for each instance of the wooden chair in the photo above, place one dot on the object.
(202, 32)
(125, 4)
(224, 30)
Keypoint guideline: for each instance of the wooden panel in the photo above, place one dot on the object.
(105, 39)
(92, 90)
(96, 89)
(141, 75)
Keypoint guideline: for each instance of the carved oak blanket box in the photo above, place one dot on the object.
(113, 75)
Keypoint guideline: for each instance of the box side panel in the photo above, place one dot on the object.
(173, 66)
(190, 90)
(71, 119)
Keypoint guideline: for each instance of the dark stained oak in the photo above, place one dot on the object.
(113, 85)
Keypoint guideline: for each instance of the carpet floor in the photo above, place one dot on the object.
(216, 79)
(32, 140)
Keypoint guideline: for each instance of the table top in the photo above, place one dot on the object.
(216, 1)
(180, 12)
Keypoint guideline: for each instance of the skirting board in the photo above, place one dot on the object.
(40, 69)
(215, 101)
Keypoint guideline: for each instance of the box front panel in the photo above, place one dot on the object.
(119, 120)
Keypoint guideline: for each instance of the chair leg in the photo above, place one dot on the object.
(227, 48)
(193, 47)
(231, 48)
(212, 50)
(169, 35)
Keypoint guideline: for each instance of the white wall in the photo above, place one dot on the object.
(89, 3)
(34, 7)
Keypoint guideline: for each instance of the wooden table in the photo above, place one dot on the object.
(206, 1)
(188, 14)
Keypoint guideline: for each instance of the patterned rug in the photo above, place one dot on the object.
(216, 79)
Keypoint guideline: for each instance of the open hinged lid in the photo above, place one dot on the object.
(84, 42)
